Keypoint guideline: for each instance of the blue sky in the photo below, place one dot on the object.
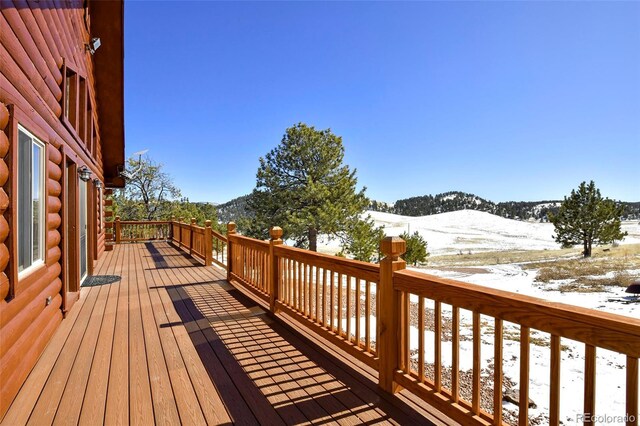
(507, 100)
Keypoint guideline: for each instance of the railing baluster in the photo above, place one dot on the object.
(475, 396)
(406, 322)
(590, 380)
(497, 372)
(523, 412)
(357, 312)
(348, 291)
(554, 381)
(287, 281)
(317, 287)
(324, 297)
(455, 354)
(632, 391)
(331, 302)
(421, 339)
(437, 346)
(340, 328)
(309, 290)
(367, 315)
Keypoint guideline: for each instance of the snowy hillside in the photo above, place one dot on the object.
(470, 230)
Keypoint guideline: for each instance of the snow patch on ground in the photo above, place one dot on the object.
(610, 370)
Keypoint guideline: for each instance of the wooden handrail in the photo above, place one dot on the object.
(136, 231)
(144, 222)
(609, 331)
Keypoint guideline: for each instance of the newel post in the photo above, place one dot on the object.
(231, 230)
(276, 240)
(118, 236)
(171, 236)
(208, 243)
(191, 239)
(389, 312)
(180, 219)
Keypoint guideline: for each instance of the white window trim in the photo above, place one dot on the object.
(39, 262)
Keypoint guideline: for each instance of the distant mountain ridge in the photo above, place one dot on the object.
(441, 203)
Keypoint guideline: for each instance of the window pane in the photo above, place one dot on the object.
(25, 214)
(37, 209)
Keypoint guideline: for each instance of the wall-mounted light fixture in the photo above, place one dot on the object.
(97, 183)
(84, 173)
(93, 45)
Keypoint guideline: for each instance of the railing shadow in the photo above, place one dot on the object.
(264, 372)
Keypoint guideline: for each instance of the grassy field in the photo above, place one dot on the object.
(563, 270)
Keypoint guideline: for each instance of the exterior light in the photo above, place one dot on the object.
(84, 173)
(93, 45)
(97, 183)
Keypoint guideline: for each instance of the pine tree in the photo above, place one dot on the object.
(586, 218)
(362, 240)
(303, 187)
(416, 248)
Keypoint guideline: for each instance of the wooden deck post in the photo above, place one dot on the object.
(208, 243)
(171, 222)
(276, 240)
(118, 236)
(231, 230)
(389, 312)
(191, 239)
(180, 219)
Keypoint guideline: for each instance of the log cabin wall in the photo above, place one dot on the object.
(48, 88)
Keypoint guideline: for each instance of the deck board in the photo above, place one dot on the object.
(172, 342)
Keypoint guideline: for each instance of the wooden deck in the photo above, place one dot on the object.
(172, 342)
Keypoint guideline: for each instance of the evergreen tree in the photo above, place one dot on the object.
(303, 186)
(585, 217)
(416, 248)
(362, 240)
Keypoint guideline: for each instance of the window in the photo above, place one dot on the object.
(83, 101)
(31, 200)
(77, 110)
(70, 97)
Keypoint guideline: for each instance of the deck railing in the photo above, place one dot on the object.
(372, 311)
(369, 310)
(135, 231)
(200, 241)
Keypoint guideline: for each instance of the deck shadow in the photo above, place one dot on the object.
(264, 371)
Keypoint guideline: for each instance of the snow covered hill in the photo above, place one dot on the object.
(471, 230)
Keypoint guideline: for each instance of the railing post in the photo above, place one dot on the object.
(389, 312)
(191, 239)
(231, 230)
(180, 219)
(276, 240)
(171, 222)
(118, 236)
(208, 243)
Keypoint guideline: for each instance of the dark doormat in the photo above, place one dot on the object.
(96, 280)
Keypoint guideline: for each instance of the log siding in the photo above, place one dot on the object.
(38, 40)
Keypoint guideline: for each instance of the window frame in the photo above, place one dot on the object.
(77, 106)
(40, 261)
(17, 285)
